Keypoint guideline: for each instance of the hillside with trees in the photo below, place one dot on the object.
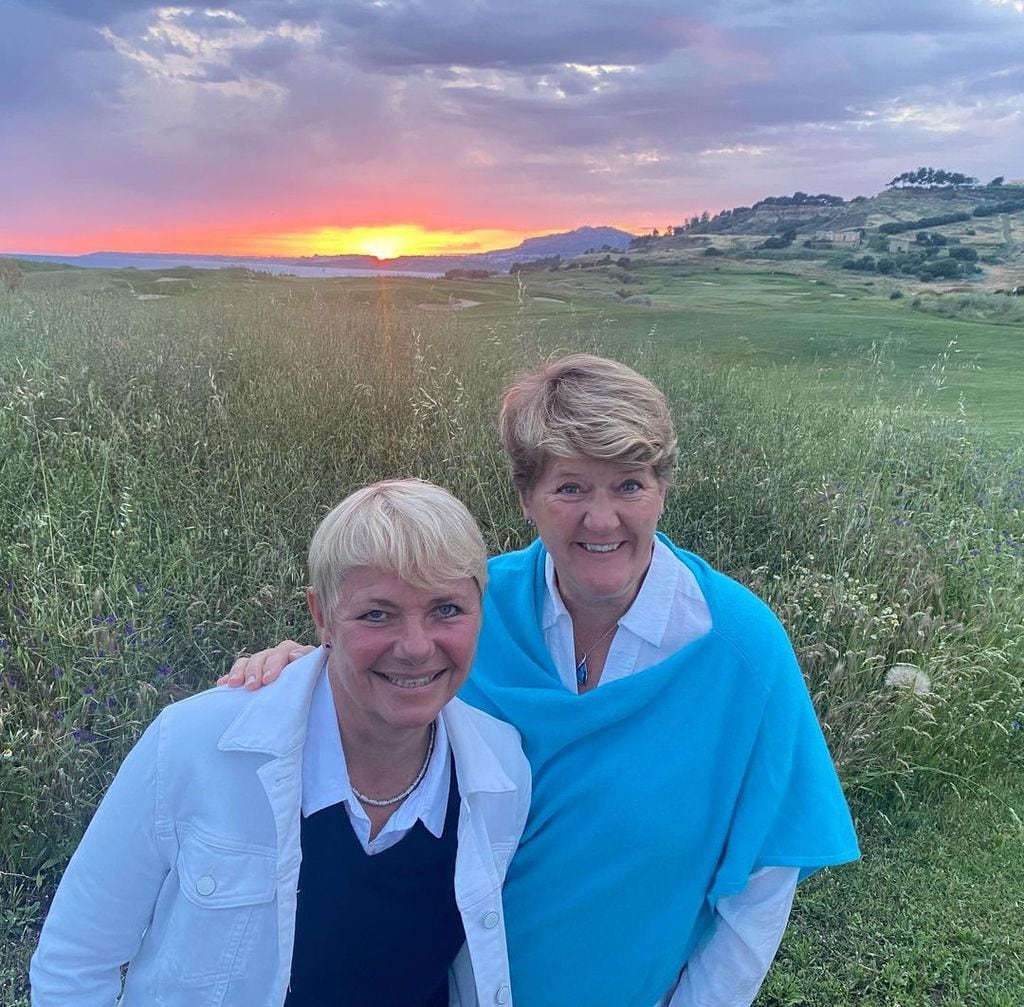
(928, 224)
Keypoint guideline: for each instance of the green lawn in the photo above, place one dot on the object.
(932, 916)
(831, 330)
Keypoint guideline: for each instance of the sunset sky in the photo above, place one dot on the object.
(394, 126)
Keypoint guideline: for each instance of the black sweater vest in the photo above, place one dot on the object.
(380, 930)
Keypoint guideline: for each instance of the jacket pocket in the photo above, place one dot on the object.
(225, 894)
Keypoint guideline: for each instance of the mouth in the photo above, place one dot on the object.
(405, 682)
(598, 548)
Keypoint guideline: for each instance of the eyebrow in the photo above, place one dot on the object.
(575, 474)
(391, 603)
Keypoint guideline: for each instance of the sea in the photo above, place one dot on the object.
(127, 260)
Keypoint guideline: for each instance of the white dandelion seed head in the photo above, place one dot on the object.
(908, 676)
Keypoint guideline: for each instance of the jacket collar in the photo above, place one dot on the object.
(476, 763)
(274, 719)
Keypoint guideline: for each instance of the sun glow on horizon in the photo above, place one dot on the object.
(387, 242)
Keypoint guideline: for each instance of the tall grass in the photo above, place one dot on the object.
(164, 463)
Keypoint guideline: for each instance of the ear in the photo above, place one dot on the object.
(316, 611)
(524, 503)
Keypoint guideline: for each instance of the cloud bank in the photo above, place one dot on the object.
(142, 124)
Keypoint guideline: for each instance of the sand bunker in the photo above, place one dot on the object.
(151, 297)
(458, 305)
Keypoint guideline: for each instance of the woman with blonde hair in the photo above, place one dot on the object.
(340, 838)
(682, 785)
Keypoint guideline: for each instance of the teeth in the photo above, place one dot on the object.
(412, 683)
(590, 547)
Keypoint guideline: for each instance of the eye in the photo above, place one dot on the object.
(631, 486)
(568, 490)
(375, 615)
(448, 610)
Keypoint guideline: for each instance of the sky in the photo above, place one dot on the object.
(393, 126)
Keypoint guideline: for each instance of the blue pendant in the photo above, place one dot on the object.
(581, 672)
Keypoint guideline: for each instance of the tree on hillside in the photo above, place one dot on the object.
(11, 275)
(932, 178)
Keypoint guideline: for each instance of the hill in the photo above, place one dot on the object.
(936, 232)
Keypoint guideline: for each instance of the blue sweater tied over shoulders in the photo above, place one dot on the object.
(653, 796)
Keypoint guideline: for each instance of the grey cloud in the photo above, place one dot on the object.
(101, 12)
(49, 64)
(493, 34)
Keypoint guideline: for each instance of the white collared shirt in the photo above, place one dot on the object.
(669, 612)
(325, 779)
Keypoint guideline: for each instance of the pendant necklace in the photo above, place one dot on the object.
(582, 671)
(388, 801)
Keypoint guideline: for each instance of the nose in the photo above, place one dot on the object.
(414, 644)
(601, 516)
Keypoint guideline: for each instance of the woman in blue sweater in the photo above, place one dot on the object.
(681, 783)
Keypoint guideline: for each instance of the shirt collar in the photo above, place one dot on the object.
(325, 779)
(648, 616)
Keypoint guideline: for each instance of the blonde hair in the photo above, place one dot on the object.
(408, 527)
(587, 406)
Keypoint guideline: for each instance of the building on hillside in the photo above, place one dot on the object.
(847, 236)
(899, 244)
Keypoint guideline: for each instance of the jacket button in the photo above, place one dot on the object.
(491, 921)
(206, 885)
(502, 995)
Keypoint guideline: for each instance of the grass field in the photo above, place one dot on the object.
(853, 460)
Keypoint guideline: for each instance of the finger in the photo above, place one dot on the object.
(237, 675)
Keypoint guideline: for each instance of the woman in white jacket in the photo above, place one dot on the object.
(341, 838)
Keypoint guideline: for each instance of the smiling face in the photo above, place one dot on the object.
(597, 520)
(398, 652)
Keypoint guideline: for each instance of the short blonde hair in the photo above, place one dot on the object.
(587, 406)
(409, 527)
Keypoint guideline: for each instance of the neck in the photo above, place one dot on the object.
(380, 762)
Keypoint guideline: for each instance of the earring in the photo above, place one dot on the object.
(530, 521)
(328, 645)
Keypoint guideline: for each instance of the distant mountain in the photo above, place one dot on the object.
(583, 239)
(566, 245)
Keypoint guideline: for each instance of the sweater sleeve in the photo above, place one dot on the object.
(108, 893)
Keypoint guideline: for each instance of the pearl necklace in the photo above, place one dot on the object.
(582, 671)
(387, 801)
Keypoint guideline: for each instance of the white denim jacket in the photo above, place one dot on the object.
(189, 868)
